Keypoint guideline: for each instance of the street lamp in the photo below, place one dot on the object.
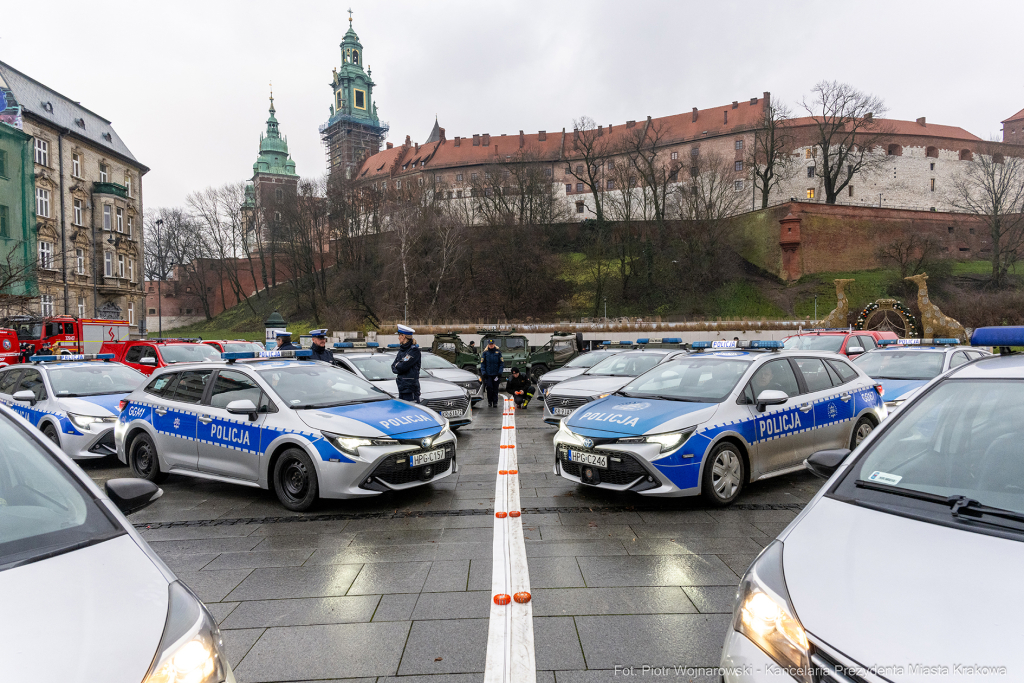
(159, 282)
(606, 309)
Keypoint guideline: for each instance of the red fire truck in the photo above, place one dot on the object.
(62, 333)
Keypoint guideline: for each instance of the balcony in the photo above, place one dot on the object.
(111, 188)
(117, 285)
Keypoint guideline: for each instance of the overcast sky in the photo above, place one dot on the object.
(185, 83)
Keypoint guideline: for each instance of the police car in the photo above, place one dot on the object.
(920, 527)
(601, 379)
(438, 367)
(902, 366)
(450, 400)
(710, 422)
(72, 399)
(577, 366)
(272, 420)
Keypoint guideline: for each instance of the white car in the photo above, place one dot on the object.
(84, 597)
(577, 366)
(905, 567)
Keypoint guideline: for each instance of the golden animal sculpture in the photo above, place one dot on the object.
(837, 318)
(934, 323)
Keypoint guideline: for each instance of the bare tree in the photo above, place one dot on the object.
(17, 270)
(589, 149)
(911, 252)
(644, 149)
(991, 187)
(769, 156)
(847, 133)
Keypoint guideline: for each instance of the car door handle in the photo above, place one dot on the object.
(845, 397)
(161, 411)
(805, 407)
(205, 419)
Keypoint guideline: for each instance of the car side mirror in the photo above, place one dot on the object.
(148, 360)
(770, 397)
(854, 350)
(243, 407)
(824, 463)
(25, 395)
(131, 495)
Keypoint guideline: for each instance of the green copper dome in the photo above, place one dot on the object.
(273, 156)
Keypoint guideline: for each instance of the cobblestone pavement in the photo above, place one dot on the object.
(399, 585)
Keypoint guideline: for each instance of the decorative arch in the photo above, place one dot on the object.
(932, 152)
(966, 155)
(895, 150)
(355, 57)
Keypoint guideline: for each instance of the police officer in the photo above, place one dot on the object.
(491, 367)
(520, 387)
(319, 346)
(407, 365)
(285, 343)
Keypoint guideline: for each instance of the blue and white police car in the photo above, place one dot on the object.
(923, 521)
(710, 422)
(73, 399)
(273, 420)
(903, 366)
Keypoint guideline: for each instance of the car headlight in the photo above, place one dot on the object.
(567, 436)
(84, 421)
(191, 649)
(600, 396)
(347, 444)
(764, 613)
(670, 440)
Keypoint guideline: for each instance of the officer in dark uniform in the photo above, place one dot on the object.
(319, 346)
(407, 365)
(285, 343)
(520, 387)
(491, 366)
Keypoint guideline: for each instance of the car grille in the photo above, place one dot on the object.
(394, 469)
(619, 473)
(570, 402)
(440, 404)
(105, 446)
(826, 667)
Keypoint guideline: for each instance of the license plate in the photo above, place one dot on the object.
(451, 413)
(427, 458)
(562, 411)
(592, 459)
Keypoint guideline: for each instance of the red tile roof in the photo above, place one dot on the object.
(897, 127)
(1016, 117)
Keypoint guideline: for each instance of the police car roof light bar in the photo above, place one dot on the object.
(394, 346)
(768, 344)
(999, 337)
(938, 341)
(72, 358)
(241, 355)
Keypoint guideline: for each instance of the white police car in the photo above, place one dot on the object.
(72, 399)
(575, 367)
(84, 597)
(302, 429)
(441, 368)
(710, 422)
(902, 366)
(905, 567)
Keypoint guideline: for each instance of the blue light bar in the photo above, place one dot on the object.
(625, 343)
(372, 345)
(606, 343)
(701, 345)
(938, 341)
(394, 346)
(1011, 335)
(766, 344)
(239, 355)
(673, 340)
(643, 341)
(236, 355)
(343, 345)
(72, 358)
(358, 345)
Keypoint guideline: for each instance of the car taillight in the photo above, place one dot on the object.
(122, 404)
(880, 389)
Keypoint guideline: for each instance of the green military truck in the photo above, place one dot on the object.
(450, 346)
(515, 348)
(560, 349)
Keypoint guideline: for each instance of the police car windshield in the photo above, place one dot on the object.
(241, 347)
(46, 511)
(429, 361)
(704, 379)
(94, 379)
(901, 364)
(816, 342)
(962, 438)
(319, 386)
(188, 353)
(626, 364)
(378, 368)
(588, 360)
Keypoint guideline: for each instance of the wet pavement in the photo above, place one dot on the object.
(399, 585)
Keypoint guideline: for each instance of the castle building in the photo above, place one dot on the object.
(274, 183)
(354, 131)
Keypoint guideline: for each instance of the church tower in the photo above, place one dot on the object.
(354, 131)
(274, 180)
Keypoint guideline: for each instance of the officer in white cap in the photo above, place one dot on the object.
(285, 343)
(407, 365)
(319, 346)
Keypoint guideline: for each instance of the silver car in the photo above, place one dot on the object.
(441, 368)
(577, 366)
(709, 423)
(301, 429)
(600, 380)
(84, 597)
(450, 400)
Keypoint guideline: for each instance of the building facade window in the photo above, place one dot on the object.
(810, 171)
(76, 165)
(739, 144)
(5, 229)
(103, 173)
(106, 216)
(611, 184)
(809, 153)
(849, 190)
(131, 225)
(131, 313)
(473, 176)
(579, 187)
(933, 185)
(80, 261)
(421, 182)
(579, 207)
(45, 255)
(81, 307)
(42, 202)
(46, 305)
(737, 185)
(77, 205)
(131, 270)
(810, 193)
(675, 155)
(694, 151)
(568, 188)
(458, 177)
(737, 166)
(548, 172)
(279, 193)
(128, 184)
(3, 163)
(108, 264)
(42, 152)
(120, 220)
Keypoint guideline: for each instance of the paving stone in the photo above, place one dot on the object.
(554, 572)
(693, 546)
(349, 650)
(298, 528)
(188, 561)
(447, 575)
(302, 612)
(213, 586)
(321, 541)
(471, 535)
(390, 577)
(369, 554)
(710, 599)
(574, 548)
(257, 558)
(681, 531)
(396, 607)
(221, 610)
(653, 640)
(617, 676)
(656, 570)
(206, 545)
(273, 583)
(463, 605)
(186, 533)
(739, 563)
(597, 601)
(480, 575)
(441, 647)
(581, 532)
(556, 644)
(238, 642)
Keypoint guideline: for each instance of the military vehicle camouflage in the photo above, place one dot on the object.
(560, 349)
(450, 346)
(515, 348)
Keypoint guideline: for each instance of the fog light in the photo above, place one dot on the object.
(588, 474)
(650, 478)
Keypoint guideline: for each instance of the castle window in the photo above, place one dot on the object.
(421, 182)
(360, 99)
(739, 144)
(458, 177)
(458, 193)
(279, 193)
(611, 184)
(473, 176)
(738, 166)
(810, 193)
(809, 153)
(547, 172)
(694, 151)
(895, 150)
(965, 155)
(579, 187)
(932, 165)
(675, 155)
(810, 171)
(971, 231)
(933, 184)
(849, 190)
(932, 152)
(568, 188)
(341, 100)
(398, 184)
(579, 207)
(438, 178)
(611, 164)
(737, 185)
(950, 228)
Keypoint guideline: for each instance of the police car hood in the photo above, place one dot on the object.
(562, 374)
(900, 388)
(376, 418)
(429, 388)
(590, 385)
(103, 405)
(94, 614)
(634, 416)
(451, 375)
(887, 590)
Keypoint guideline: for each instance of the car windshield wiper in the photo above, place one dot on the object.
(906, 493)
(666, 397)
(960, 506)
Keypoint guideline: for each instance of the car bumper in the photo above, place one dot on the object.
(89, 443)
(629, 469)
(366, 477)
(744, 662)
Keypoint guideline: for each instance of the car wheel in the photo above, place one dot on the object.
(864, 426)
(50, 432)
(144, 461)
(536, 372)
(469, 368)
(724, 474)
(295, 480)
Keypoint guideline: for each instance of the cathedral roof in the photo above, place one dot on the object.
(435, 133)
(273, 156)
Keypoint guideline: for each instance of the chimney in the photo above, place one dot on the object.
(630, 124)
(726, 116)
(600, 131)
(476, 139)
(870, 116)
(735, 104)
(542, 136)
(921, 122)
(695, 113)
(417, 146)
(522, 140)
(391, 145)
(443, 139)
(487, 139)
(458, 141)
(408, 141)
(609, 129)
